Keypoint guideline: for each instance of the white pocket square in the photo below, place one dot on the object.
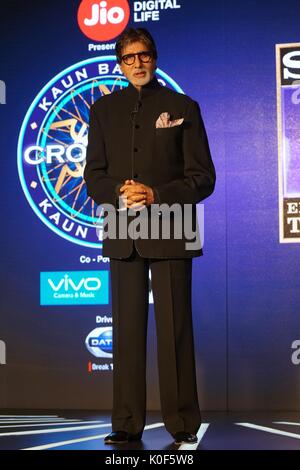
(164, 121)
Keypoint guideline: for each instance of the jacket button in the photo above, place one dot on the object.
(137, 126)
(136, 149)
(135, 175)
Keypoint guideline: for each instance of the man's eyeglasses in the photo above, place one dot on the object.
(144, 56)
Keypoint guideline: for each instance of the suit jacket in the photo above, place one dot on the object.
(124, 143)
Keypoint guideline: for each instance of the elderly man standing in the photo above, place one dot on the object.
(147, 145)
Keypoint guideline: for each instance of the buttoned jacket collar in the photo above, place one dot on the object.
(147, 90)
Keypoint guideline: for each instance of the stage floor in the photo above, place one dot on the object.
(73, 430)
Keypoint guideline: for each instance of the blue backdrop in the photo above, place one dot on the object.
(245, 287)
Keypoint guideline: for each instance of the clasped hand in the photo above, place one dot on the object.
(136, 195)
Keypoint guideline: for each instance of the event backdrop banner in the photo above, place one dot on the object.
(288, 109)
(57, 59)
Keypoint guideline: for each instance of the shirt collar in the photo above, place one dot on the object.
(146, 90)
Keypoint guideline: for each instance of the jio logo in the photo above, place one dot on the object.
(102, 21)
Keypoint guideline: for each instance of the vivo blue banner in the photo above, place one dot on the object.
(74, 288)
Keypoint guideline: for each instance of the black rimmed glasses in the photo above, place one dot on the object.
(144, 56)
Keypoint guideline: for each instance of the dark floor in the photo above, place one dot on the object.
(86, 430)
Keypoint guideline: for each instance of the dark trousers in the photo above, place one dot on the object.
(171, 285)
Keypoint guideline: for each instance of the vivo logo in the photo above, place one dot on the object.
(66, 283)
(101, 15)
(2, 92)
(2, 352)
(74, 288)
(290, 62)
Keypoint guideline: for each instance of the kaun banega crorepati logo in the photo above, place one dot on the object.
(104, 20)
(52, 147)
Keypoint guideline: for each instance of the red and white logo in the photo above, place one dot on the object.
(104, 20)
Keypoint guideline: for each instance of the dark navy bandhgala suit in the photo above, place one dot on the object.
(175, 162)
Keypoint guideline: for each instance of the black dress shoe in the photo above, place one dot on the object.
(119, 437)
(183, 437)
